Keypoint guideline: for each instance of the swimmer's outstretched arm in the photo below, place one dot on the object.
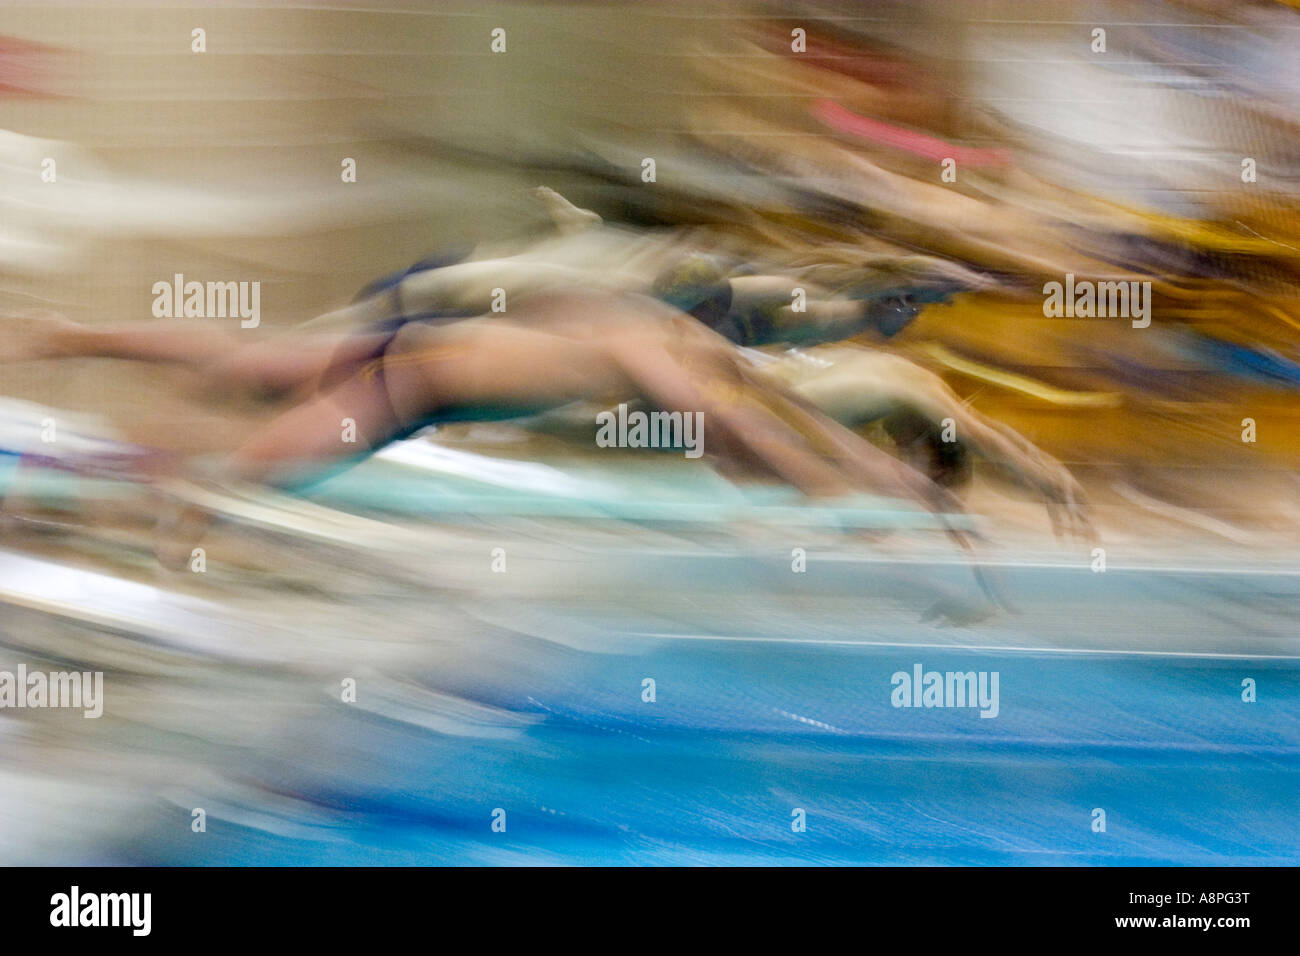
(1016, 458)
(695, 369)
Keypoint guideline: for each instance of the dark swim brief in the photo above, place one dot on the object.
(385, 330)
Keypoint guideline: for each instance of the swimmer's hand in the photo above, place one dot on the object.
(1067, 504)
(958, 612)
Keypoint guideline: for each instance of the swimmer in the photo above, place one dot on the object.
(556, 349)
(857, 386)
(748, 303)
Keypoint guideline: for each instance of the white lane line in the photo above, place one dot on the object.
(1084, 563)
(966, 647)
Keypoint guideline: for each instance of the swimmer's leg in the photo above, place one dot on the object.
(179, 341)
(307, 436)
(223, 357)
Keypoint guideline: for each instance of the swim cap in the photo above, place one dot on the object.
(696, 284)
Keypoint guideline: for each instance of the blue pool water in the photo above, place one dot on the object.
(743, 733)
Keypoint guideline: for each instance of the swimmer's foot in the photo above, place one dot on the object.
(41, 335)
(567, 217)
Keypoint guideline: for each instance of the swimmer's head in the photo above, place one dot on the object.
(896, 289)
(889, 316)
(697, 284)
(920, 442)
(889, 311)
